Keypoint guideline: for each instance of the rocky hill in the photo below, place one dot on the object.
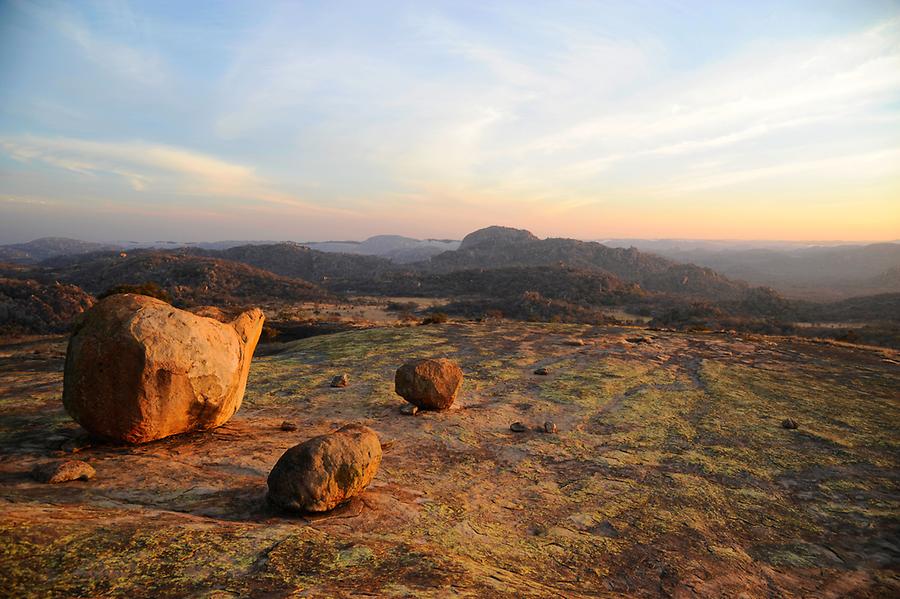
(28, 306)
(500, 247)
(570, 284)
(495, 237)
(884, 306)
(188, 278)
(294, 260)
(670, 474)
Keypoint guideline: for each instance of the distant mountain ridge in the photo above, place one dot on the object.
(495, 270)
(296, 260)
(811, 272)
(37, 250)
(396, 248)
(718, 270)
(505, 247)
(189, 278)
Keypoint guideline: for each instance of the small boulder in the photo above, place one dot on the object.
(550, 427)
(325, 471)
(138, 369)
(341, 380)
(429, 384)
(64, 471)
(409, 409)
(789, 423)
(518, 427)
(542, 371)
(288, 426)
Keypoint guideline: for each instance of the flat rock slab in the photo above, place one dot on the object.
(664, 479)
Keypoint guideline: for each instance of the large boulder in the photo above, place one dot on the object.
(138, 369)
(323, 472)
(430, 384)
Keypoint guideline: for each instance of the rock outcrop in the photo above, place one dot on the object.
(29, 306)
(325, 471)
(138, 369)
(430, 384)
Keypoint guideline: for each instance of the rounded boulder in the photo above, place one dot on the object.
(325, 471)
(138, 369)
(429, 384)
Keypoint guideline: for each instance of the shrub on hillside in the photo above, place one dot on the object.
(436, 318)
(149, 288)
(402, 307)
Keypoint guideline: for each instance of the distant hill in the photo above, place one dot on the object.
(332, 270)
(176, 245)
(883, 306)
(189, 279)
(488, 252)
(35, 251)
(569, 284)
(396, 248)
(890, 279)
(812, 272)
(29, 306)
(494, 237)
(502, 247)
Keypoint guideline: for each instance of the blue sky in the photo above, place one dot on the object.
(307, 120)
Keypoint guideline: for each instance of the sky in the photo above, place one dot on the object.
(340, 120)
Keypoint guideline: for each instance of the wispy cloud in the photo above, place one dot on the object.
(386, 114)
(861, 167)
(766, 89)
(146, 166)
(114, 50)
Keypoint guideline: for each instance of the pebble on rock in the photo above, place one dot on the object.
(789, 423)
(518, 427)
(409, 409)
(542, 371)
(550, 427)
(341, 380)
(60, 472)
(288, 426)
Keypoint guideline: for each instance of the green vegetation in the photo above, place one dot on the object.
(150, 289)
